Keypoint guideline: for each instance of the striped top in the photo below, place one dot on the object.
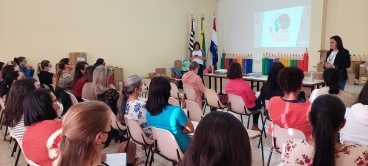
(65, 81)
(18, 130)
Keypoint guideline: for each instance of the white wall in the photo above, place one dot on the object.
(138, 35)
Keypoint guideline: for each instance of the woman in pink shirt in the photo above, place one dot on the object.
(237, 86)
(193, 80)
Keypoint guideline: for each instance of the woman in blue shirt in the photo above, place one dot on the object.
(26, 69)
(161, 114)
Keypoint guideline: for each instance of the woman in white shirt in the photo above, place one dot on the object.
(332, 78)
(356, 127)
(198, 56)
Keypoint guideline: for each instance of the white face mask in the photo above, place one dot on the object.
(50, 68)
(61, 109)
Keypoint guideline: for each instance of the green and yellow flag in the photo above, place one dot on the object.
(202, 41)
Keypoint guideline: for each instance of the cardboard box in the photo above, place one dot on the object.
(161, 71)
(362, 80)
(320, 67)
(354, 66)
(118, 77)
(177, 64)
(151, 75)
(351, 78)
(323, 55)
(316, 75)
(76, 57)
(363, 69)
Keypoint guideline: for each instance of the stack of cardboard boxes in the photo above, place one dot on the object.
(353, 72)
(363, 73)
(158, 72)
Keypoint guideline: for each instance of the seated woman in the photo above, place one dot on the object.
(130, 106)
(161, 114)
(26, 69)
(287, 111)
(237, 86)
(85, 131)
(13, 113)
(78, 80)
(102, 89)
(357, 120)
(99, 62)
(220, 139)
(43, 128)
(9, 80)
(272, 88)
(331, 77)
(63, 77)
(87, 93)
(326, 119)
(193, 80)
(2, 65)
(44, 75)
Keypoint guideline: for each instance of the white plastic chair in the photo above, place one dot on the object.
(137, 135)
(212, 100)
(2, 107)
(281, 135)
(115, 124)
(53, 86)
(73, 98)
(174, 92)
(166, 146)
(237, 105)
(194, 112)
(174, 101)
(189, 93)
(85, 99)
(267, 117)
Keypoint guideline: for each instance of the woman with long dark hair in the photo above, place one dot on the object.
(100, 62)
(220, 139)
(272, 88)
(326, 119)
(163, 115)
(331, 77)
(339, 58)
(78, 81)
(11, 77)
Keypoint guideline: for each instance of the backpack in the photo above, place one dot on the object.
(185, 65)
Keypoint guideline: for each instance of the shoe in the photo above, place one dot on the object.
(256, 128)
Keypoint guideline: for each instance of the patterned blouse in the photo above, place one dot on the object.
(299, 152)
(18, 130)
(136, 110)
(65, 80)
(110, 97)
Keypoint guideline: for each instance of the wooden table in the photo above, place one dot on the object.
(253, 79)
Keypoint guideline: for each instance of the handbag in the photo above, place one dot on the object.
(223, 98)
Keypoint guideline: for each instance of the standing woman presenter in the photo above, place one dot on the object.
(338, 57)
(198, 55)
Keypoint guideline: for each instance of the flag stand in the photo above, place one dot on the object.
(208, 50)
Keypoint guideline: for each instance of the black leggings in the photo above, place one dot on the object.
(200, 72)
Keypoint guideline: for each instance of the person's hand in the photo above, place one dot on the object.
(328, 65)
(185, 131)
(103, 157)
(30, 67)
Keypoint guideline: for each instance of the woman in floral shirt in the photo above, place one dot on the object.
(129, 105)
(326, 118)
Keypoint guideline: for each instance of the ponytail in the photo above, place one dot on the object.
(123, 99)
(39, 68)
(331, 77)
(324, 141)
(16, 61)
(19, 59)
(334, 89)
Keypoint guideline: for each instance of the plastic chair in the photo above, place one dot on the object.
(212, 100)
(115, 124)
(73, 98)
(53, 86)
(137, 135)
(267, 117)
(166, 146)
(281, 135)
(174, 92)
(189, 93)
(85, 99)
(2, 107)
(174, 101)
(194, 112)
(237, 105)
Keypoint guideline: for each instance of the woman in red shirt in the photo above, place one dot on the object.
(78, 81)
(237, 86)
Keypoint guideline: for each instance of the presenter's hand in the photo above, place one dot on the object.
(328, 65)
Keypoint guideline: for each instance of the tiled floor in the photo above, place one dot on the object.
(6, 148)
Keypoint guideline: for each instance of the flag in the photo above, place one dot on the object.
(192, 36)
(202, 41)
(213, 46)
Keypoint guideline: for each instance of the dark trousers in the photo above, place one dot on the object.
(200, 72)
(255, 108)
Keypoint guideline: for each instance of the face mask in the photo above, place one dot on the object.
(50, 69)
(61, 109)
(71, 67)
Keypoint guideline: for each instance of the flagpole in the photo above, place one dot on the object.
(208, 50)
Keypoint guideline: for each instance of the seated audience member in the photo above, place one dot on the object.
(220, 139)
(331, 77)
(99, 62)
(63, 77)
(87, 92)
(193, 80)
(326, 119)
(43, 129)
(26, 69)
(357, 120)
(287, 111)
(9, 81)
(130, 106)
(161, 114)
(44, 75)
(79, 81)
(237, 86)
(85, 129)
(2, 64)
(13, 113)
(102, 89)
(272, 88)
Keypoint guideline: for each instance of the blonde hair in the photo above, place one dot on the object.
(100, 81)
(81, 124)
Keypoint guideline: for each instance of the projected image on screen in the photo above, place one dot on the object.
(288, 27)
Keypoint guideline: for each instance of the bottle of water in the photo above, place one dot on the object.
(311, 78)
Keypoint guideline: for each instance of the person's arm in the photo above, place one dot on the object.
(345, 60)
(191, 57)
(31, 72)
(203, 57)
(200, 84)
(184, 121)
(188, 128)
(249, 92)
